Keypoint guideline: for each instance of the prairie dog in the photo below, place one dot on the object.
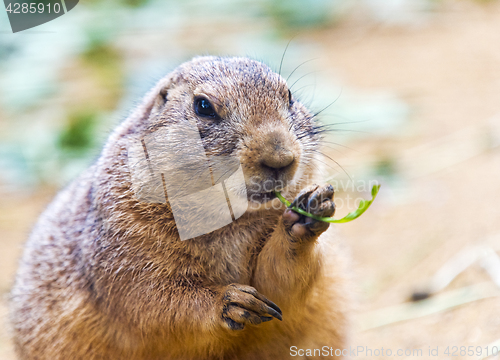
(105, 275)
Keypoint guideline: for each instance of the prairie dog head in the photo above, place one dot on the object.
(241, 109)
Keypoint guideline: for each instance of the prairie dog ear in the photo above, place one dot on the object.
(160, 100)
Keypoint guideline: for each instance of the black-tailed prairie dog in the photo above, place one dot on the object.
(105, 274)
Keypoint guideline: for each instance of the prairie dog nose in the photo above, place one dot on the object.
(278, 159)
(275, 152)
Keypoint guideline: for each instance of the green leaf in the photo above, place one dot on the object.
(362, 207)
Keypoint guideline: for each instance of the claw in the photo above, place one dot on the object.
(317, 200)
(262, 298)
(303, 195)
(320, 195)
(243, 305)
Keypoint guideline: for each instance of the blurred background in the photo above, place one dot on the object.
(410, 90)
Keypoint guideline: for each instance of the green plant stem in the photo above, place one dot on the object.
(363, 206)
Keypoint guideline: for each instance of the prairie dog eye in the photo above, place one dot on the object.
(204, 108)
(290, 101)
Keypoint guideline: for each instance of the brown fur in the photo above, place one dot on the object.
(106, 277)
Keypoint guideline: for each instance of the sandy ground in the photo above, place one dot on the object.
(449, 73)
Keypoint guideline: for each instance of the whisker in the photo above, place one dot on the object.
(326, 107)
(283, 56)
(303, 87)
(321, 130)
(305, 62)
(347, 120)
(328, 157)
(334, 143)
(324, 163)
(332, 149)
(309, 73)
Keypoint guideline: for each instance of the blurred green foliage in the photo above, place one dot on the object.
(105, 62)
(118, 3)
(297, 14)
(77, 135)
(135, 3)
(386, 167)
(82, 72)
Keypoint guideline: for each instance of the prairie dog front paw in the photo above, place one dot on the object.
(242, 305)
(318, 201)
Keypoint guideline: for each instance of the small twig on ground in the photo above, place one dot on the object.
(413, 310)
